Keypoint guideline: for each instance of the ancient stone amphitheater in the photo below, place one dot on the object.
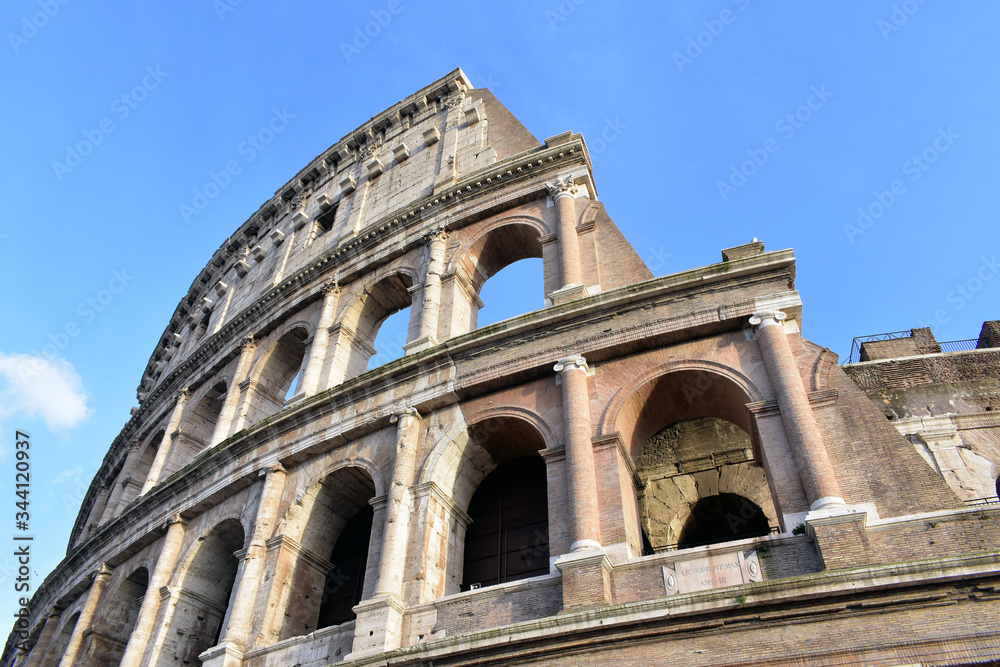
(645, 471)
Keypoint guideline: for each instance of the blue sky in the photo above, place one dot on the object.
(864, 136)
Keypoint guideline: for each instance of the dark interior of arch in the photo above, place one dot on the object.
(115, 624)
(346, 581)
(508, 538)
(499, 248)
(282, 366)
(208, 583)
(723, 518)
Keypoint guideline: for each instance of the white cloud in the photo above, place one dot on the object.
(33, 386)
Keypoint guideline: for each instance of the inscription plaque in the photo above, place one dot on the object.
(718, 571)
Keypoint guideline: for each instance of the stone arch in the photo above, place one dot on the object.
(334, 561)
(461, 463)
(701, 380)
(114, 623)
(361, 318)
(60, 641)
(132, 486)
(274, 372)
(691, 437)
(496, 246)
(197, 425)
(201, 592)
(450, 456)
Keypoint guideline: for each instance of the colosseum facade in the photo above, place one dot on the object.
(647, 470)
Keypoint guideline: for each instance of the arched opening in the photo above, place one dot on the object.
(495, 250)
(60, 642)
(335, 524)
(723, 518)
(114, 624)
(689, 433)
(392, 336)
(203, 592)
(345, 582)
(364, 320)
(139, 473)
(508, 538)
(509, 292)
(281, 366)
(199, 423)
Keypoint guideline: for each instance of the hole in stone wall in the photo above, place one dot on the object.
(512, 291)
(345, 582)
(723, 518)
(390, 339)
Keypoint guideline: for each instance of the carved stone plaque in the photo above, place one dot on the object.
(717, 571)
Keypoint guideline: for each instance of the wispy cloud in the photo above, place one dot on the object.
(52, 389)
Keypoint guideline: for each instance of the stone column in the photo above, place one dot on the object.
(111, 509)
(810, 453)
(97, 590)
(585, 531)
(379, 626)
(390, 571)
(437, 241)
(321, 339)
(171, 550)
(228, 412)
(164, 449)
(234, 639)
(44, 639)
(563, 191)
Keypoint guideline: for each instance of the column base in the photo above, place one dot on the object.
(841, 537)
(379, 626)
(586, 578)
(226, 654)
(420, 344)
(569, 293)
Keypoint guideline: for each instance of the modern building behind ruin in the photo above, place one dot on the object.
(645, 471)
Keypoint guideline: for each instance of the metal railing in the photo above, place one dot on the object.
(856, 345)
(959, 345)
(988, 501)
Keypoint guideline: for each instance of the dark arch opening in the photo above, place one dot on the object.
(723, 518)
(508, 538)
(117, 620)
(345, 583)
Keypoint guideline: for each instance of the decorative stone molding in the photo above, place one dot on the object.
(564, 186)
(766, 318)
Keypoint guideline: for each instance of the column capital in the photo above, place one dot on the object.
(574, 362)
(564, 186)
(329, 286)
(183, 395)
(403, 413)
(766, 318)
(175, 518)
(272, 468)
(104, 571)
(436, 234)
(246, 342)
